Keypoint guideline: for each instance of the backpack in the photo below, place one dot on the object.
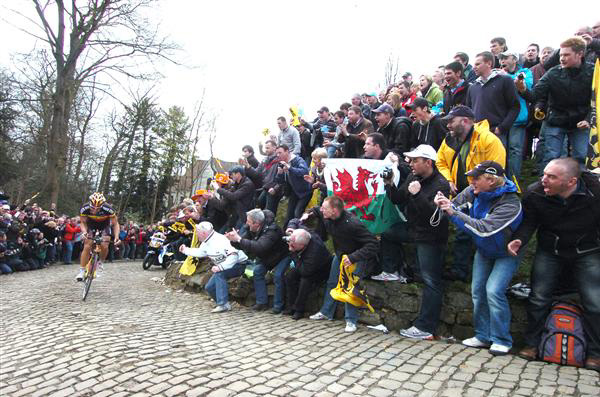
(563, 340)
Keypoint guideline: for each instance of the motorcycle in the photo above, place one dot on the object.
(159, 253)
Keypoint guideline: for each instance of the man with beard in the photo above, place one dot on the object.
(467, 145)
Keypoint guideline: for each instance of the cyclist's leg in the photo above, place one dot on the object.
(85, 252)
(105, 242)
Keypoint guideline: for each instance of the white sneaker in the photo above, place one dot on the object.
(384, 276)
(222, 308)
(415, 333)
(319, 316)
(350, 327)
(474, 342)
(380, 277)
(80, 274)
(499, 350)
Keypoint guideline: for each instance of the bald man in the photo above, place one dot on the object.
(564, 208)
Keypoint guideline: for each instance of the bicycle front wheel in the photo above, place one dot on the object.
(89, 275)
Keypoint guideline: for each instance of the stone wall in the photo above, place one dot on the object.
(396, 305)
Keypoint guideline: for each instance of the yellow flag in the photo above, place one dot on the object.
(594, 147)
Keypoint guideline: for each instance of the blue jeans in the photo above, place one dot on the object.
(554, 138)
(260, 286)
(329, 304)
(68, 252)
(217, 285)
(431, 263)
(545, 277)
(491, 311)
(514, 149)
(392, 253)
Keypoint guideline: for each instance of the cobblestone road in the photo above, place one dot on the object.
(135, 337)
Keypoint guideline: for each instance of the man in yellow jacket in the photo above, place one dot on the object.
(467, 145)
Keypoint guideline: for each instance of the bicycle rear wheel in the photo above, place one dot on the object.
(89, 275)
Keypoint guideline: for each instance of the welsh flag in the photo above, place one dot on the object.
(358, 182)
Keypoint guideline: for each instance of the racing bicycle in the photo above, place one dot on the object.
(93, 263)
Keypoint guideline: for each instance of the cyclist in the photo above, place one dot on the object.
(97, 215)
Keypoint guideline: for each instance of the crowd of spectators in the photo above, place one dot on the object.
(33, 238)
(456, 140)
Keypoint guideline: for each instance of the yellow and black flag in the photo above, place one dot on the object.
(593, 160)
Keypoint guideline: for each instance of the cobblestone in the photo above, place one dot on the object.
(133, 337)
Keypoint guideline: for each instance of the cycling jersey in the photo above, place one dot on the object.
(99, 220)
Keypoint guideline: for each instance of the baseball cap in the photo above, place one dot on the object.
(418, 103)
(487, 167)
(323, 109)
(506, 54)
(407, 74)
(6, 207)
(424, 151)
(372, 93)
(385, 108)
(459, 111)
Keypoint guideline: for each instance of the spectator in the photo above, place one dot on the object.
(228, 262)
(457, 87)
(395, 101)
(430, 90)
(334, 145)
(497, 47)
(417, 193)
(516, 134)
(71, 229)
(241, 195)
(375, 148)
(468, 72)
(356, 132)
(467, 145)
(531, 57)
(438, 78)
(4, 267)
(407, 77)
(427, 128)
(567, 115)
(406, 96)
(396, 131)
(271, 192)
(373, 103)
(262, 240)
(350, 237)
(316, 177)
(493, 97)
(538, 70)
(564, 208)
(248, 154)
(494, 212)
(288, 136)
(311, 266)
(290, 172)
(364, 108)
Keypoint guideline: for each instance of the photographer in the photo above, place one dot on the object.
(241, 195)
(311, 267)
(417, 193)
(263, 242)
(291, 170)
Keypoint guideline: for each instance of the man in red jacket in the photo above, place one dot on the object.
(71, 229)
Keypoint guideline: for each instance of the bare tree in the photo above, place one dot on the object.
(88, 38)
(392, 70)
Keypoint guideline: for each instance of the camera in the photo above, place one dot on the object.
(521, 76)
(280, 165)
(387, 173)
(286, 238)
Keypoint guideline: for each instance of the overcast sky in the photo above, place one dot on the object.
(257, 58)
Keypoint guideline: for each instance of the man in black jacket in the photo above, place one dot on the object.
(564, 95)
(355, 133)
(564, 208)
(263, 242)
(455, 92)
(241, 195)
(271, 192)
(430, 235)
(350, 237)
(428, 128)
(396, 130)
(311, 267)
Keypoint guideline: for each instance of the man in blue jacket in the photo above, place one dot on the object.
(290, 172)
(516, 135)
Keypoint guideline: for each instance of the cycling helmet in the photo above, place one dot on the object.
(97, 199)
